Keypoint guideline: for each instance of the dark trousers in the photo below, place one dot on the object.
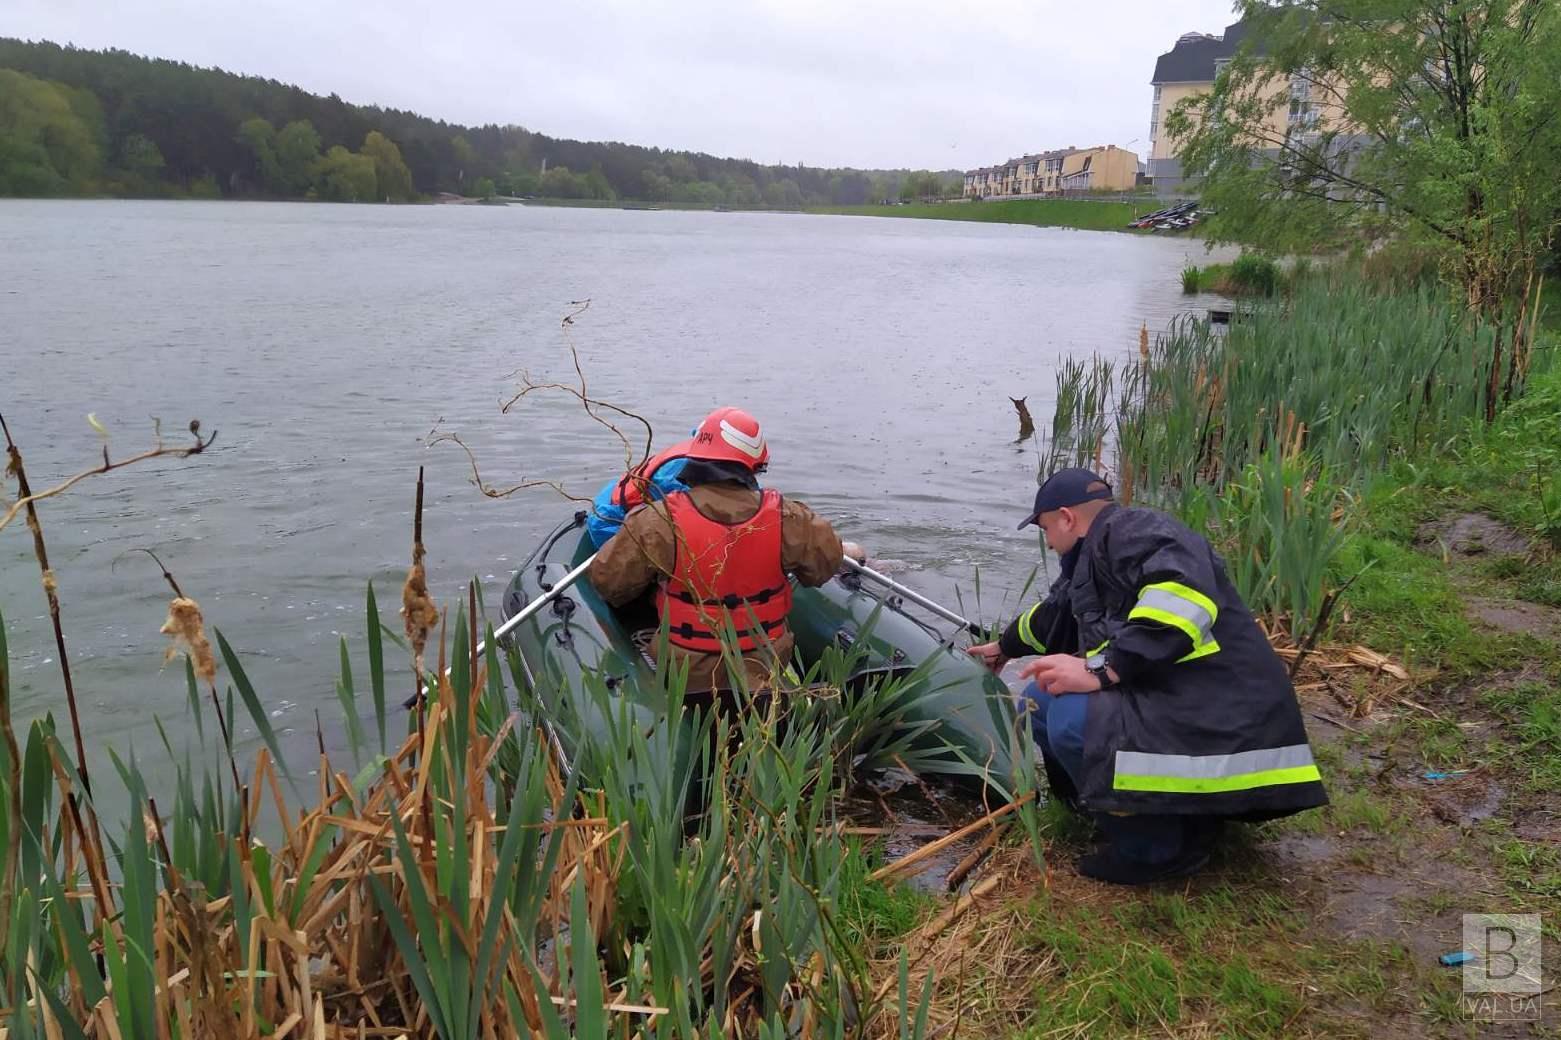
(1058, 725)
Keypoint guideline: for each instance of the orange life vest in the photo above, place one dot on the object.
(630, 490)
(725, 575)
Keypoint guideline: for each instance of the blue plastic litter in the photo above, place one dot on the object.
(1456, 958)
(1444, 776)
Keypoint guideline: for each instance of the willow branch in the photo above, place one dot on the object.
(108, 466)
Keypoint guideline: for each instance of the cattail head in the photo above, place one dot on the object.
(186, 627)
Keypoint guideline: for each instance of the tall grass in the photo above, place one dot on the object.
(681, 879)
(1259, 434)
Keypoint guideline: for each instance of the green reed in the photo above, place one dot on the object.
(453, 878)
(1260, 432)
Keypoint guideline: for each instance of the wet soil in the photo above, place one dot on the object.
(1471, 534)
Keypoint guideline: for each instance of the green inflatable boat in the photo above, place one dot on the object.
(962, 715)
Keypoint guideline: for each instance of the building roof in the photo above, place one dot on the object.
(1192, 59)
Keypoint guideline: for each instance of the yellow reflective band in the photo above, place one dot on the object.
(1026, 634)
(1188, 593)
(1217, 784)
(1099, 649)
(1165, 617)
(1211, 647)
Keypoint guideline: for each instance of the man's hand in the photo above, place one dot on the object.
(1060, 673)
(990, 655)
(856, 552)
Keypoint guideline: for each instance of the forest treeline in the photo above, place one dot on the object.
(85, 122)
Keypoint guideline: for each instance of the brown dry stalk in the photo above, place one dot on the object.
(417, 606)
(13, 770)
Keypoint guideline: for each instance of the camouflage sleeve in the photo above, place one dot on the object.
(810, 548)
(635, 559)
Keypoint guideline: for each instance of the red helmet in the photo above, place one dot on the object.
(730, 435)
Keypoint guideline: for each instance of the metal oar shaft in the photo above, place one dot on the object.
(537, 604)
(914, 596)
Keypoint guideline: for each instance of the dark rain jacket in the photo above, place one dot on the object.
(1204, 719)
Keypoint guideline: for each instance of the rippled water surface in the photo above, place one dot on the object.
(324, 343)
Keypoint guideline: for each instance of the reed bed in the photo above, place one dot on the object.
(1263, 433)
(682, 879)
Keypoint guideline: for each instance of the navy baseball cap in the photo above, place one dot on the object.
(1067, 487)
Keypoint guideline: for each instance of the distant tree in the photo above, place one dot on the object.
(679, 167)
(394, 180)
(344, 177)
(297, 156)
(783, 194)
(259, 137)
(741, 190)
(139, 164)
(560, 183)
(465, 159)
(597, 186)
(205, 187)
(849, 188)
(518, 182)
(658, 186)
(1434, 121)
(921, 184)
(46, 147)
(200, 121)
(484, 188)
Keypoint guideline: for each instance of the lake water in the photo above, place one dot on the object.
(325, 343)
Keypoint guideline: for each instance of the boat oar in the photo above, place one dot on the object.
(526, 612)
(915, 597)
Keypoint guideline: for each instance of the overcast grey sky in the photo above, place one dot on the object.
(868, 83)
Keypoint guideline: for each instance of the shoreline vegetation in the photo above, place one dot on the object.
(1373, 447)
(79, 122)
(460, 879)
(108, 124)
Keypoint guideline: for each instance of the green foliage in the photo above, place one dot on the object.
(925, 184)
(483, 188)
(139, 164)
(208, 122)
(1262, 435)
(1255, 274)
(1429, 120)
(392, 178)
(1158, 963)
(873, 911)
(344, 177)
(1191, 277)
(1074, 213)
(297, 156)
(729, 823)
(1248, 275)
(48, 145)
(259, 137)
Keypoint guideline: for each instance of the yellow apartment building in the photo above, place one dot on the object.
(1102, 168)
(1190, 68)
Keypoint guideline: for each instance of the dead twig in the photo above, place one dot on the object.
(27, 498)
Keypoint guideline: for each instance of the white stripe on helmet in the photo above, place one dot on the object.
(752, 447)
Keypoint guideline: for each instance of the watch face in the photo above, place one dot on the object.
(1095, 662)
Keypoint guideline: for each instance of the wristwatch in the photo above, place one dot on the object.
(1096, 664)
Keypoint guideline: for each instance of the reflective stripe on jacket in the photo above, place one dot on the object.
(1204, 719)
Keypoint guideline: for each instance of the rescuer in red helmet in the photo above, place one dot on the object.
(718, 554)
